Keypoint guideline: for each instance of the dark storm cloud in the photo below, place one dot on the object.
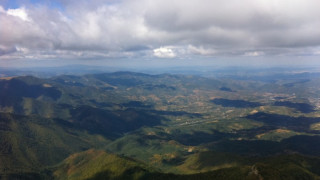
(164, 29)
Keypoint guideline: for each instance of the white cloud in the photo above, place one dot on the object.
(254, 53)
(20, 13)
(316, 52)
(201, 50)
(111, 28)
(164, 52)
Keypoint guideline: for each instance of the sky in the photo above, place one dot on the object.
(171, 31)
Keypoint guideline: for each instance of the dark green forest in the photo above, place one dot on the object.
(128, 125)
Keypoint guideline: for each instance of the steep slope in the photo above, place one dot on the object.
(29, 143)
(208, 160)
(98, 164)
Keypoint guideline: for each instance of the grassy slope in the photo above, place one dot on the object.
(30, 142)
(96, 164)
(208, 161)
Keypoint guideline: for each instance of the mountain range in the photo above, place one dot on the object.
(128, 125)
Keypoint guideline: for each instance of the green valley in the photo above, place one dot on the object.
(127, 125)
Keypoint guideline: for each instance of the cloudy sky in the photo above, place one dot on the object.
(167, 30)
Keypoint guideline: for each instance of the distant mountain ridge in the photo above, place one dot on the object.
(128, 125)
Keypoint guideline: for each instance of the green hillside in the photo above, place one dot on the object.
(98, 164)
(140, 126)
(30, 143)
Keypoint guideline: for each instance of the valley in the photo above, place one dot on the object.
(130, 125)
